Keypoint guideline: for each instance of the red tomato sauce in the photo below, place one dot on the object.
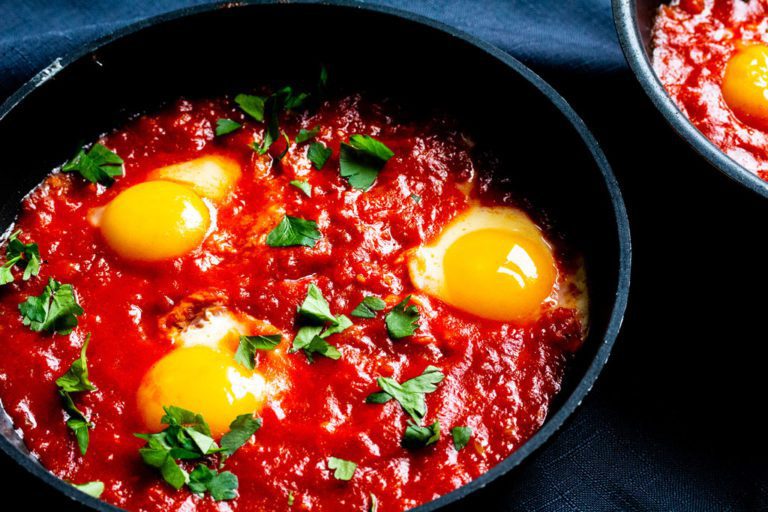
(692, 43)
(500, 377)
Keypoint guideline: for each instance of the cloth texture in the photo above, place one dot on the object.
(675, 422)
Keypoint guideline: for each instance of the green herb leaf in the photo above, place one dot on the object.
(176, 416)
(342, 324)
(226, 126)
(368, 307)
(98, 165)
(275, 103)
(76, 378)
(291, 499)
(93, 489)
(77, 422)
(304, 337)
(402, 320)
(303, 186)
(374, 507)
(315, 307)
(56, 309)
(296, 101)
(305, 135)
(362, 159)
(411, 393)
(240, 431)
(343, 469)
(293, 231)
(318, 345)
(461, 436)
(246, 351)
(251, 105)
(416, 437)
(416, 198)
(318, 153)
(322, 84)
(221, 486)
(19, 254)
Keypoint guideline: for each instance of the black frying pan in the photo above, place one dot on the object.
(207, 51)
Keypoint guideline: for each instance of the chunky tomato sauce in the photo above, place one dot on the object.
(500, 377)
(693, 41)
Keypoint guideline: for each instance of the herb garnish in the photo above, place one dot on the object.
(75, 381)
(94, 489)
(362, 159)
(19, 254)
(240, 431)
(303, 186)
(293, 231)
(246, 350)
(368, 307)
(221, 486)
(416, 198)
(98, 165)
(410, 394)
(461, 436)
(226, 126)
(419, 437)
(305, 135)
(251, 105)
(316, 312)
(402, 320)
(343, 469)
(318, 153)
(56, 309)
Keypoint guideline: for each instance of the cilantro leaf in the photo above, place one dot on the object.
(342, 323)
(461, 436)
(226, 126)
(98, 165)
(77, 422)
(318, 153)
(291, 499)
(93, 489)
(315, 307)
(419, 437)
(416, 198)
(303, 186)
(402, 320)
(304, 336)
(411, 393)
(240, 431)
(296, 101)
(318, 345)
(251, 105)
(246, 351)
(305, 135)
(343, 469)
(368, 307)
(56, 309)
(275, 103)
(293, 231)
(76, 379)
(362, 159)
(19, 254)
(221, 486)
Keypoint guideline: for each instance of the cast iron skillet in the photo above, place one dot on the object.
(634, 22)
(206, 51)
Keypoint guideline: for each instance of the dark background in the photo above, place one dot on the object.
(676, 421)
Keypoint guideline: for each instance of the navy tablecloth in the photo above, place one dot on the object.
(676, 422)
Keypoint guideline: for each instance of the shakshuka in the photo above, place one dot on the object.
(282, 300)
(712, 57)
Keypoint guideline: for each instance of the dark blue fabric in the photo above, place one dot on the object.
(676, 421)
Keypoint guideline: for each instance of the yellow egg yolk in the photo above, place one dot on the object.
(745, 85)
(499, 274)
(203, 380)
(155, 220)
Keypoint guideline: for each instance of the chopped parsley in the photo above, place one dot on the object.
(410, 394)
(76, 380)
(55, 310)
(221, 486)
(21, 255)
(368, 307)
(246, 350)
(188, 437)
(293, 231)
(402, 320)
(321, 323)
(342, 469)
(305, 135)
(94, 489)
(362, 159)
(272, 108)
(374, 507)
(303, 186)
(416, 437)
(251, 105)
(461, 436)
(318, 153)
(226, 126)
(291, 499)
(416, 198)
(97, 165)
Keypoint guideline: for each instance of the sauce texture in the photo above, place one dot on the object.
(499, 377)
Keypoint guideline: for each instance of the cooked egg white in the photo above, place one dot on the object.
(202, 375)
(212, 176)
(493, 262)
